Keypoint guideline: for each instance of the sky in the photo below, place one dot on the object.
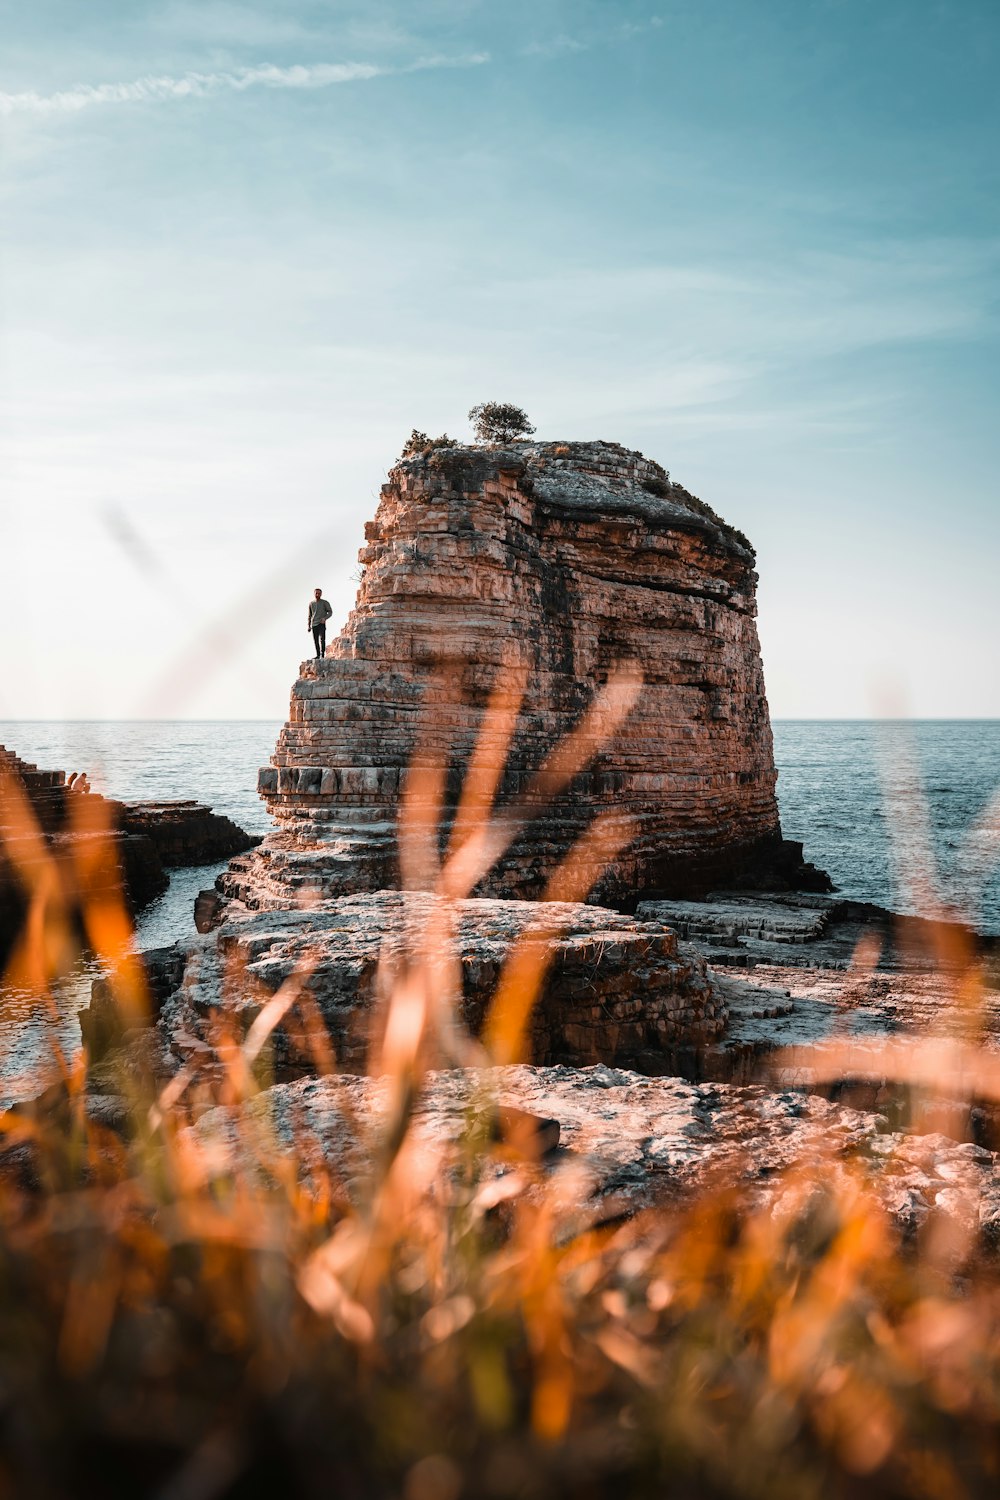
(246, 247)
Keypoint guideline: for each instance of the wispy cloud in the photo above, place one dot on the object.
(160, 88)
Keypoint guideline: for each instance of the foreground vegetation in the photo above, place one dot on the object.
(211, 1311)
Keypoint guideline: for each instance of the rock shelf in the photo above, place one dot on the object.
(627, 1142)
(613, 986)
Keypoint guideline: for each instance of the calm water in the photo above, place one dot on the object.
(867, 799)
(852, 791)
(878, 804)
(157, 760)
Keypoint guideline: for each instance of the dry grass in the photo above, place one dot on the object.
(172, 1327)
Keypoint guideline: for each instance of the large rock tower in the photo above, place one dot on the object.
(568, 558)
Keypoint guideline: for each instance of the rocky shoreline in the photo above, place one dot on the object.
(661, 1128)
(622, 1143)
(72, 823)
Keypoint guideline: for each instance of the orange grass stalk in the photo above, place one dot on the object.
(46, 946)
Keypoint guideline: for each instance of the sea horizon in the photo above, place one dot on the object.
(843, 788)
(774, 718)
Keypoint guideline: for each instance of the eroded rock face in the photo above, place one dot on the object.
(568, 559)
(613, 987)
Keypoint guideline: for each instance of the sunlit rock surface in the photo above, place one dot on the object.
(611, 986)
(626, 1142)
(565, 559)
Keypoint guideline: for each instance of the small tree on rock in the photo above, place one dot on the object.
(498, 423)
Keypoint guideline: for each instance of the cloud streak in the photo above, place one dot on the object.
(162, 88)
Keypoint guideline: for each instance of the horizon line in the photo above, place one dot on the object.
(775, 719)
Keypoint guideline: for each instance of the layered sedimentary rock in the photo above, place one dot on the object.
(564, 560)
(185, 833)
(148, 838)
(612, 986)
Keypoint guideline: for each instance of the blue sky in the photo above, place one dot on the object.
(244, 248)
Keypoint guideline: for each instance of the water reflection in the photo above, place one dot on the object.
(27, 1028)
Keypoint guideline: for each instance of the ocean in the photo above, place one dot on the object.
(894, 811)
(857, 793)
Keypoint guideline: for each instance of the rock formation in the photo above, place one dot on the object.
(565, 559)
(149, 837)
(185, 833)
(614, 987)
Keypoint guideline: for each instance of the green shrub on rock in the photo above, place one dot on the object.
(499, 422)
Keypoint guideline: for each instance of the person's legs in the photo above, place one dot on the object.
(317, 633)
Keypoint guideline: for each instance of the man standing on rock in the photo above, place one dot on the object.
(319, 613)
